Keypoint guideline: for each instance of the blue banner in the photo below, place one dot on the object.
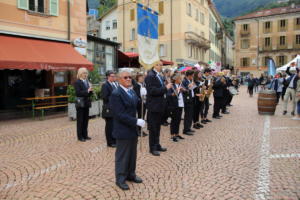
(271, 67)
(147, 22)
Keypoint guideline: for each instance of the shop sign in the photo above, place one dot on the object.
(78, 42)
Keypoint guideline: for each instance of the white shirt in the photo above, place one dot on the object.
(192, 89)
(180, 98)
(125, 89)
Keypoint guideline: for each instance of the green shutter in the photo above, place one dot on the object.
(54, 7)
(23, 4)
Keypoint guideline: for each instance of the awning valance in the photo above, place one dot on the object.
(26, 53)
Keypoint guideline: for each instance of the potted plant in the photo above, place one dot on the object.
(95, 98)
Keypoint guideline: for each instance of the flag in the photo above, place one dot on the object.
(271, 67)
(147, 36)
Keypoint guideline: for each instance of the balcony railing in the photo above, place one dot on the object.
(197, 40)
(281, 47)
(245, 33)
(267, 48)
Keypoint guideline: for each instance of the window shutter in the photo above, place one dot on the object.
(23, 4)
(161, 7)
(161, 29)
(54, 7)
(132, 15)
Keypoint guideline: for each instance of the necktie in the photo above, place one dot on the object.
(130, 93)
(160, 79)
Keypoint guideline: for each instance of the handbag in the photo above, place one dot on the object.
(79, 102)
(106, 111)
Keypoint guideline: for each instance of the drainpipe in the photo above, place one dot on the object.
(171, 30)
(123, 25)
(257, 57)
(69, 21)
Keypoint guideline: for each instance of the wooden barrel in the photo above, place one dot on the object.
(266, 102)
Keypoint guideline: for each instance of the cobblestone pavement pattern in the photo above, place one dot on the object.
(243, 156)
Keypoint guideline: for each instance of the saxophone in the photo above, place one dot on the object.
(203, 92)
(210, 90)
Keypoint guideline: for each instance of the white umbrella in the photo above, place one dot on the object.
(284, 67)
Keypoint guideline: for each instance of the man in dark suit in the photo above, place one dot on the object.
(156, 103)
(123, 102)
(219, 85)
(106, 91)
(188, 98)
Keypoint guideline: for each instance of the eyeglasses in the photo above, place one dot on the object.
(127, 77)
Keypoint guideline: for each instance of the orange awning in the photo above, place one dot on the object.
(25, 53)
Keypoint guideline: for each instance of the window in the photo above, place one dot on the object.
(282, 23)
(282, 40)
(37, 6)
(298, 21)
(267, 25)
(281, 60)
(108, 39)
(162, 50)
(49, 7)
(245, 62)
(115, 39)
(267, 42)
(107, 25)
(161, 7)
(245, 27)
(297, 39)
(245, 44)
(266, 59)
(115, 24)
(202, 18)
(161, 30)
(197, 15)
(132, 35)
(132, 15)
(189, 9)
(190, 51)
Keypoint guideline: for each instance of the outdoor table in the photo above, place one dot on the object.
(33, 99)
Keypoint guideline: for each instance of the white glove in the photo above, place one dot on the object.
(143, 92)
(141, 123)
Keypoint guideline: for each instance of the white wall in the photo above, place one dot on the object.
(111, 33)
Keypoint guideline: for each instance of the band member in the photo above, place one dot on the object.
(83, 91)
(140, 90)
(188, 97)
(156, 103)
(198, 100)
(106, 91)
(208, 83)
(167, 79)
(226, 94)
(123, 102)
(218, 87)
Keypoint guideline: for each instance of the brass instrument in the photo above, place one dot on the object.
(209, 90)
(203, 94)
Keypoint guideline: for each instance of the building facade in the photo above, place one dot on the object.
(273, 33)
(109, 25)
(183, 29)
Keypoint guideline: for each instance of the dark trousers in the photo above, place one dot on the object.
(125, 163)
(205, 108)
(198, 107)
(225, 100)
(109, 124)
(229, 99)
(175, 120)
(217, 105)
(188, 117)
(250, 90)
(82, 115)
(154, 123)
(278, 95)
(166, 115)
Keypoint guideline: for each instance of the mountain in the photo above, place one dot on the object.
(234, 8)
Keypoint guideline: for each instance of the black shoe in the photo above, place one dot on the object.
(200, 125)
(165, 124)
(216, 117)
(144, 134)
(230, 105)
(155, 153)
(112, 145)
(220, 116)
(293, 113)
(188, 133)
(196, 126)
(207, 120)
(81, 140)
(203, 121)
(191, 131)
(123, 186)
(162, 149)
(87, 138)
(179, 137)
(284, 112)
(174, 139)
(136, 179)
(226, 112)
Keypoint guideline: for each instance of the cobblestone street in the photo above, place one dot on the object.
(242, 156)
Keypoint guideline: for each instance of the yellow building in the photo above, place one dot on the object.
(35, 47)
(183, 29)
(273, 33)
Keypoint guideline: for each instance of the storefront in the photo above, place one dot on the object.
(33, 67)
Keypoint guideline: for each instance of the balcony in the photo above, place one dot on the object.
(267, 48)
(296, 46)
(281, 47)
(245, 33)
(196, 40)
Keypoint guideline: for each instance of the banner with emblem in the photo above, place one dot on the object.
(147, 20)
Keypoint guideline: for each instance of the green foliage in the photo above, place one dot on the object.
(71, 93)
(106, 5)
(228, 24)
(94, 76)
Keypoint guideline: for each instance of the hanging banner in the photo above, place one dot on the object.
(147, 36)
(271, 67)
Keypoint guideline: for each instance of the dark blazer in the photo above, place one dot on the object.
(82, 91)
(156, 93)
(137, 89)
(187, 96)
(218, 88)
(172, 99)
(291, 77)
(124, 114)
(106, 91)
